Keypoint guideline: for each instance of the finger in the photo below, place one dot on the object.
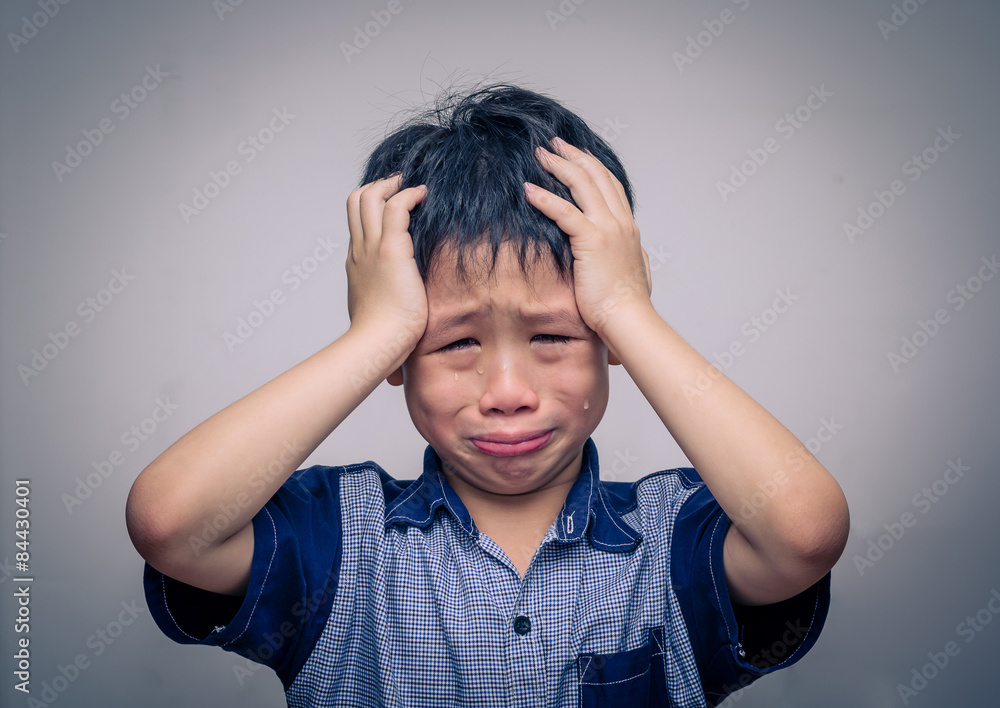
(354, 221)
(396, 216)
(586, 192)
(571, 220)
(608, 185)
(601, 175)
(373, 199)
(598, 171)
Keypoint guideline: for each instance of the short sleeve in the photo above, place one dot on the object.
(733, 648)
(293, 578)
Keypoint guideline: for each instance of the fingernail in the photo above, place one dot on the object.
(529, 187)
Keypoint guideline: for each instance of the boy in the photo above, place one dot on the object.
(495, 283)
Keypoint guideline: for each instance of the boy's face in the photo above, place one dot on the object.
(507, 382)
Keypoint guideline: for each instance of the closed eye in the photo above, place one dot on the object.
(553, 338)
(458, 345)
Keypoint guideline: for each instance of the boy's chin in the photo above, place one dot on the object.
(510, 474)
(496, 482)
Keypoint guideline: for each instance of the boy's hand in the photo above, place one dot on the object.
(611, 268)
(384, 287)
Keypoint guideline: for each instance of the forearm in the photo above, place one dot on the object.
(789, 508)
(240, 456)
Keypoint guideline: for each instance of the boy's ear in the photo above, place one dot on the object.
(396, 377)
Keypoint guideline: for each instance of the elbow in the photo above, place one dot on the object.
(820, 536)
(143, 531)
(149, 528)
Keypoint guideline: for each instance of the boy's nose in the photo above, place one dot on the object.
(508, 386)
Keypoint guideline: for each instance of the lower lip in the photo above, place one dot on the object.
(499, 449)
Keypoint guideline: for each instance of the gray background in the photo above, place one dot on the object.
(679, 131)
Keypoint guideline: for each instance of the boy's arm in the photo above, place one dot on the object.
(737, 447)
(265, 436)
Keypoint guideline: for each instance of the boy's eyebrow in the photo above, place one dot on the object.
(553, 317)
(451, 321)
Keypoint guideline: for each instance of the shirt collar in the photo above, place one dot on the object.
(589, 507)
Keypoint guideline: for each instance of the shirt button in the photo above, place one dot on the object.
(522, 625)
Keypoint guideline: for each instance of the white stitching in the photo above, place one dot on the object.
(718, 599)
(658, 644)
(163, 585)
(263, 584)
(812, 621)
(166, 605)
(631, 536)
(612, 683)
(458, 520)
(399, 502)
(590, 492)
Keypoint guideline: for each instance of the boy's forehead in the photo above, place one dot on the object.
(506, 283)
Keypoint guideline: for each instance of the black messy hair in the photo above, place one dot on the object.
(474, 150)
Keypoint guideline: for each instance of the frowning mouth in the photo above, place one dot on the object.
(510, 444)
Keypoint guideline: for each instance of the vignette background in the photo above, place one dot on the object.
(687, 94)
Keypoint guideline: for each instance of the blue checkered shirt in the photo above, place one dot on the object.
(371, 591)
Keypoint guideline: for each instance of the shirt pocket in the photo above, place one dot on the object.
(627, 679)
